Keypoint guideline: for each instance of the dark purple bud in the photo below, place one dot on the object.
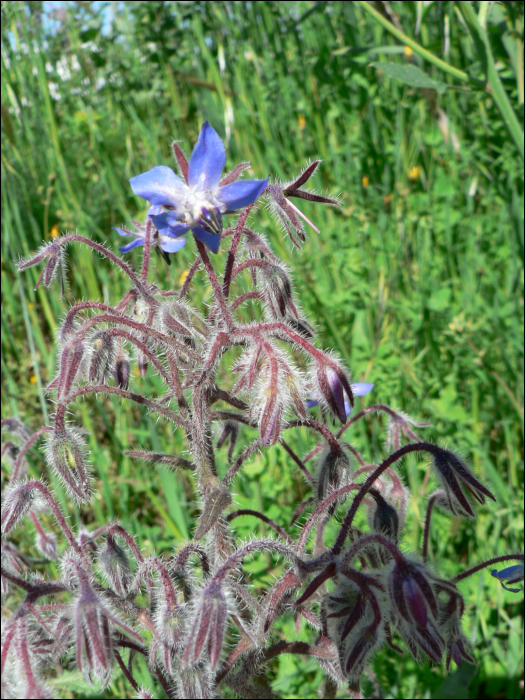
(121, 372)
(385, 519)
(333, 385)
(412, 593)
(270, 421)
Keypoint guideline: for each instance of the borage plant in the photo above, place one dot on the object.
(193, 615)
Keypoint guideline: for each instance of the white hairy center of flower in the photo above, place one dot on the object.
(190, 205)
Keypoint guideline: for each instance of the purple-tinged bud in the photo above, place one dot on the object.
(216, 499)
(121, 372)
(93, 632)
(19, 501)
(102, 357)
(456, 478)
(12, 561)
(332, 387)
(142, 362)
(209, 623)
(355, 622)
(412, 593)
(301, 325)
(333, 471)
(383, 517)
(70, 362)
(66, 454)
(270, 419)
(114, 564)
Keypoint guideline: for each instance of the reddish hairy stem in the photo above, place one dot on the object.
(146, 255)
(426, 534)
(321, 508)
(298, 461)
(193, 269)
(233, 250)
(214, 281)
(105, 389)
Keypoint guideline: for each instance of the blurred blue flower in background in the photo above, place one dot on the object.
(512, 574)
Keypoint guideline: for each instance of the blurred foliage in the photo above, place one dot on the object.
(416, 281)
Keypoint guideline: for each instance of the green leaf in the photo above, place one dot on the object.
(410, 75)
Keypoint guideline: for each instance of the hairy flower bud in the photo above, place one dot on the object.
(46, 543)
(208, 626)
(70, 362)
(333, 471)
(456, 478)
(66, 455)
(332, 386)
(383, 517)
(121, 372)
(102, 357)
(142, 362)
(355, 622)
(412, 593)
(114, 563)
(278, 291)
(18, 502)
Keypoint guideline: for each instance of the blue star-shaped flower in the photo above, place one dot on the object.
(199, 201)
(161, 239)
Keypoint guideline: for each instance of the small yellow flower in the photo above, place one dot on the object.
(413, 173)
(33, 379)
(182, 278)
(54, 233)
(365, 181)
(408, 52)
(301, 122)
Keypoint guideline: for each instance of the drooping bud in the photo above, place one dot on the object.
(114, 563)
(333, 471)
(70, 362)
(121, 371)
(102, 357)
(209, 622)
(18, 502)
(278, 291)
(142, 362)
(66, 454)
(332, 386)
(383, 517)
(355, 623)
(455, 478)
(412, 593)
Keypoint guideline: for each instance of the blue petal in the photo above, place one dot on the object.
(207, 160)
(360, 388)
(168, 225)
(158, 185)
(210, 240)
(311, 403)
(130, 246)
(155, 209)
(173, 245)
(511, 572)
(122, 231)
(240, 194)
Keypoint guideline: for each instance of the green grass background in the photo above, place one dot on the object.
(416, 281)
